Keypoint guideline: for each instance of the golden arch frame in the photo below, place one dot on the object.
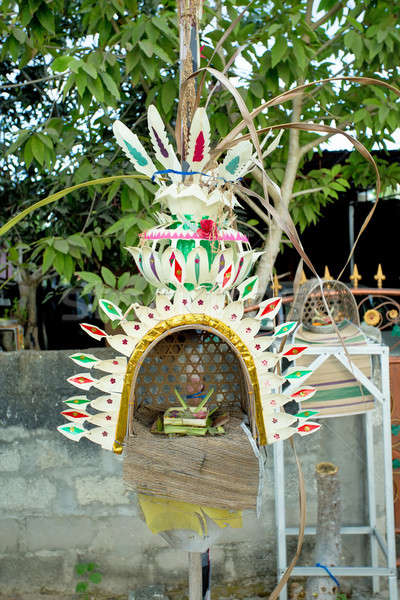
(176, 323)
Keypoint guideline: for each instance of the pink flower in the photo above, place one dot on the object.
(208, 229)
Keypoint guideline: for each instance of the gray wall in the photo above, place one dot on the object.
(63, 502)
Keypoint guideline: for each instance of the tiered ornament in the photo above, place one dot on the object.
(196, 259)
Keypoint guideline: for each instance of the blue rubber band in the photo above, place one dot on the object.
(331, 575)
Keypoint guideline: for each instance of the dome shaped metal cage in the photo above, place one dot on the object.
(309, 307)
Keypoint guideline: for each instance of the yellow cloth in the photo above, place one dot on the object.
(162, 514)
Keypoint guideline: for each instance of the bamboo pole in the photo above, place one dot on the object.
(189, 15)
(195, 576)
(328, 541)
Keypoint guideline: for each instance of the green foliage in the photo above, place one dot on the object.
(93, 61)
(89, 575)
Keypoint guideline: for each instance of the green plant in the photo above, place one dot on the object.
(89, 574)
(341, 597)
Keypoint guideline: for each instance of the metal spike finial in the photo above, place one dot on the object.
(355, 277)
(327, 275)
(379, 277)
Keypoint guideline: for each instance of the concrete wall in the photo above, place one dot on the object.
(63, 502)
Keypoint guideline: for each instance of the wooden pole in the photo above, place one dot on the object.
(189, 15)
(195, 576)
(328, 543)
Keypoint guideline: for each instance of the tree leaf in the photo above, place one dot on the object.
(46, 18)
(37, 149)
(61, 246)
(90, 277)
(108, 277)
(111, 85)
(48, 258)
(62, 63)
(147, 47)
(168, 95)
(278, 51)
(68, 267)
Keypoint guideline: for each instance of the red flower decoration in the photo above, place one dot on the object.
(208, 229)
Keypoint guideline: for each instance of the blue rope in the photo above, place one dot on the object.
(183, 173)
(331, 575)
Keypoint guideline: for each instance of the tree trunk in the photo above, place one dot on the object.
(328, 542)
(27, 290)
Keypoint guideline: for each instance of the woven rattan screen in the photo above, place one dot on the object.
(188, 360)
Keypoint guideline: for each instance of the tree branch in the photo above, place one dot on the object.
(327, 15)
(309, 12)
(31, 81)
(309, 191)
(315, 142)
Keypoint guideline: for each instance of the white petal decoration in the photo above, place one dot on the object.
(71, 431)
(107, 403)
(282, 434)
(182, 301)
(111, 383)
(164, 306)
(92, 330)
(267, 360)
(75, 416)
(308, 427)
(104, 419)
(113, 365)
(103, 436)
(270, 402)
(122, 343)
(84, 360)
(82, 381)
(163, 150)
(285, 328)
(134, 329)
(151, 266)
(112, 311)
(236, 160)
(274, 422)
(147, 315)
(137, 255)
(295, 376)
(268, 309)
(248, 289)
(173, 266)
(133, 149)
(248, 328)
(198, 152)
(262, 342)
(77, 402)
(216, 304)
(270, 382)
(201, 303)
(293, 352)
(225, 276)
(197, 269)
(233, 313)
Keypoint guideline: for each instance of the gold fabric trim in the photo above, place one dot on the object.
(165, 327)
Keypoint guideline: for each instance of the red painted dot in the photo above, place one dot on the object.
(248, 330)
(115, 362)
(112, 380)
(258, 347)
(104, 434)
(233, 317)
(137, 327)
(108, 418)
(264, 362)
(184, 302)
(151, 315)
(215, 307)
(276, 436)
(200, 302)
(109, 401)
(124, 341)
(274, 420)
(167, 307)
